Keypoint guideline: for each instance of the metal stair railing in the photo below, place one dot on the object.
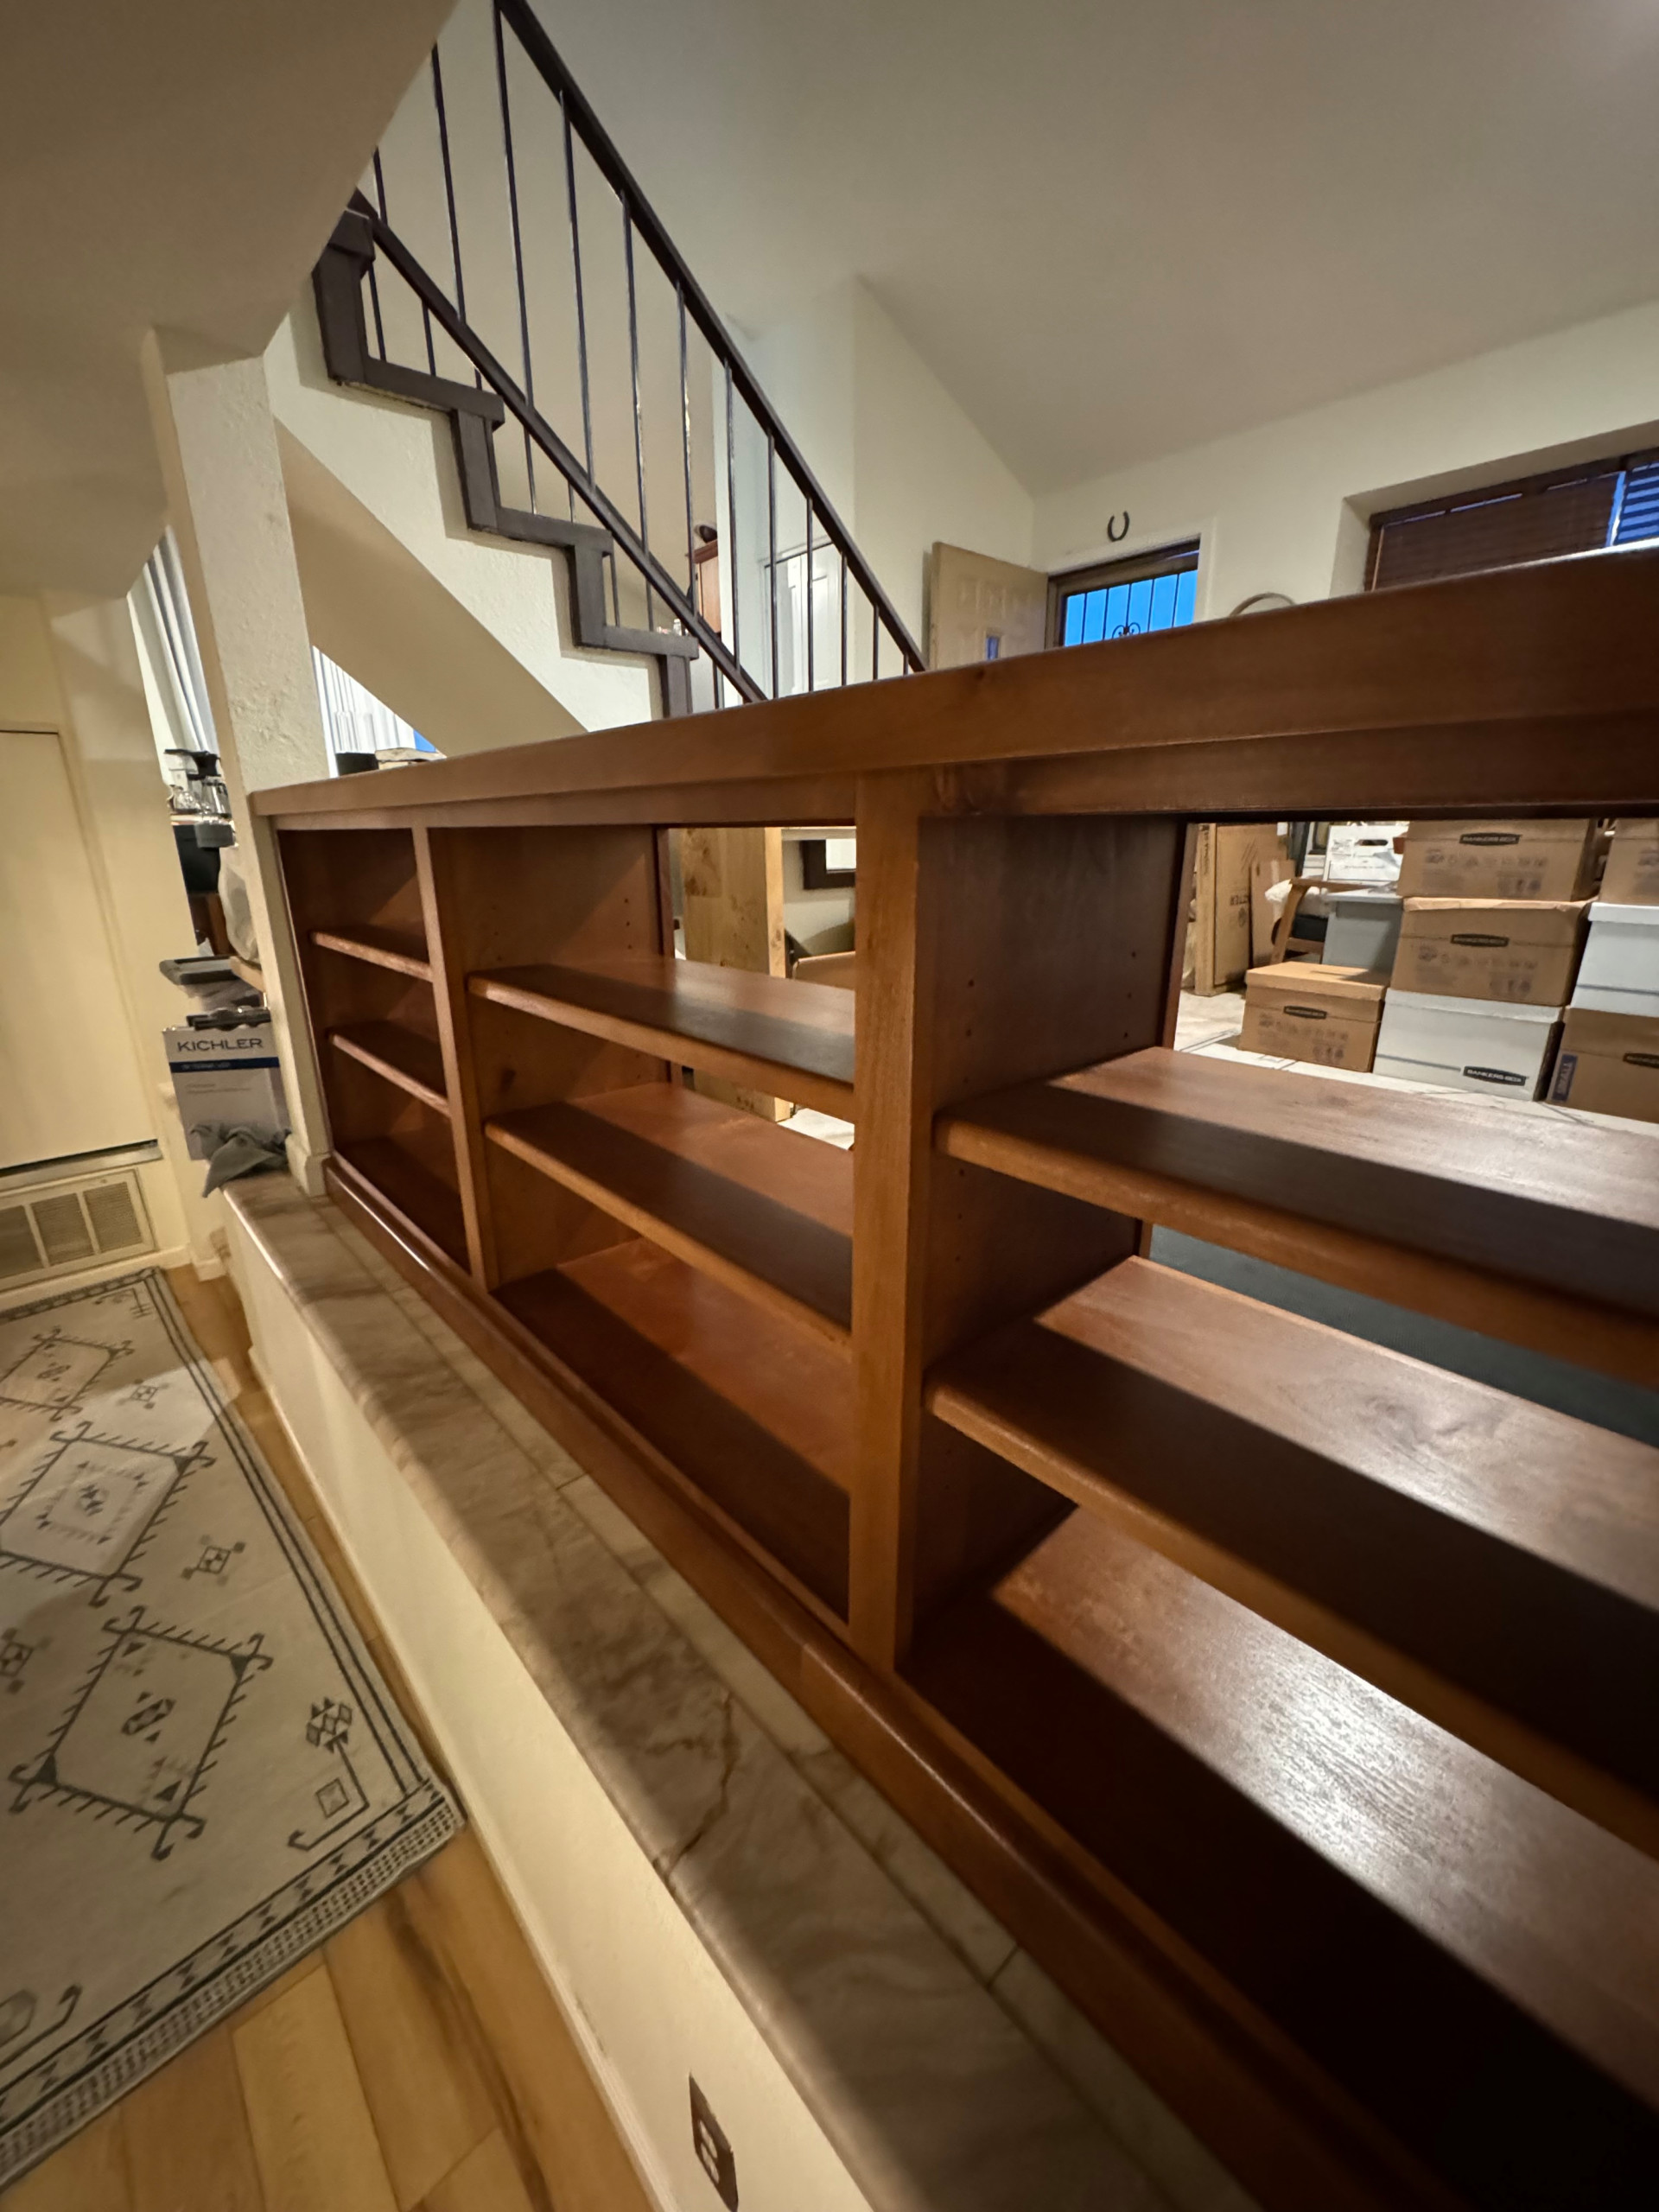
(812, 589)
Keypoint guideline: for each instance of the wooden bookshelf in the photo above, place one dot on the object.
(405, 1057)
(771, 1214)
(1293, 1703)
(794, 1040)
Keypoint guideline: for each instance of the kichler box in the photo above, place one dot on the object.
(1619, 973)
(1467, 1043)
(227, 1076)
(1519, 950)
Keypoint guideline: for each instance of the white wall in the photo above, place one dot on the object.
(467, 637)
(898, 457)
(1285, 507)
(100, 899)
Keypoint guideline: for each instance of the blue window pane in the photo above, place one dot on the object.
(1117, 601)
(1128, 609)
(1072, 633)
(1186, 592)
(1094, 618)
(1140, 606)
(1163, 603)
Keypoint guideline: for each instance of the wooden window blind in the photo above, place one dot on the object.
(1584, 510)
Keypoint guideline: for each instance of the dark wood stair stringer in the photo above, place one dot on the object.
(475, 413)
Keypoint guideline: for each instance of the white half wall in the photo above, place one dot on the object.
(1286, 507)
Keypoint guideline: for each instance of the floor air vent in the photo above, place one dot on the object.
(55, 1228)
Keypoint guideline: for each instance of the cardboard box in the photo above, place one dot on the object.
(1304, 1011)
(1518, 949)
(1498, 859)
(1221, 911)
(1609, 1064)
(1481, 1045)
(1619, 973)
(1633, 877)
(226, 1079)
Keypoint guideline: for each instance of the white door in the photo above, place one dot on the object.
(69, 1077)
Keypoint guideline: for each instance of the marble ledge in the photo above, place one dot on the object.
(939, 2062)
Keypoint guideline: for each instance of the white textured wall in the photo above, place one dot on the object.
(897, 455)
(1285, 507)
(468, 638)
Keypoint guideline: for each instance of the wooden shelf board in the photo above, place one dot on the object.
(792, 1040)
(411, 1188)
(1568, 1213)
(403, 1056)
(1282, 1815)
(754, 1410)
(767, 1211)
(1490, 1562)
(381, 948)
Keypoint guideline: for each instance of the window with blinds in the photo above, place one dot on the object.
(1591, 509)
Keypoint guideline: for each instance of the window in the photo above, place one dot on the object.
(1589, 508)
(1123, 597)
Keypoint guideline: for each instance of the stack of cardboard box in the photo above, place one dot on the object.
(1492, 930)
(1609, 1055)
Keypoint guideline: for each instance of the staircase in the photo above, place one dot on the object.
(564, 295)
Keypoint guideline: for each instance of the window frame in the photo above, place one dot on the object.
(1619, 464)
(1134, 569)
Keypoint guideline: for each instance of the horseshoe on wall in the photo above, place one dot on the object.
(1115, 534)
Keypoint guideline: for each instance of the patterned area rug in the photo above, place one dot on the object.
(201, 1774)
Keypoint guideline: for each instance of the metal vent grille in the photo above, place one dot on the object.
(58, 1227)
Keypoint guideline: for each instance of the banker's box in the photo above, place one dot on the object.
(226, 1079)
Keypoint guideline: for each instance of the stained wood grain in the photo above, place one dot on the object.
(427, 2102)
(1502, 674)
(402, 1056)
(554, 2117)
(793, 1040)
(754, 1410)
(380, 947)
(88, 2174)
(404, 1180)
(487, 2180)
(314, 2139)
(1428, 1532)
(1572, 1207)
(1289, 1822)
(766, 1212)
(187, 2135)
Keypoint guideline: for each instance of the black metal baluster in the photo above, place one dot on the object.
(812, 679)
(374, 288)
(685, 420)
(772, 550)
(639, 419)
(731, 514)
(448, 184)
(875, 641)
(582, 311)
(843, 621)
(518, 243)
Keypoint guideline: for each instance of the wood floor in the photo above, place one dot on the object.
(418, 2060)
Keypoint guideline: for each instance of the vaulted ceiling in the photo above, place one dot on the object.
(1118, 227)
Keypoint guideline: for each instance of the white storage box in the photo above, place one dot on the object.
(1467, 1043)
(1619, 973)
(1363, 930)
